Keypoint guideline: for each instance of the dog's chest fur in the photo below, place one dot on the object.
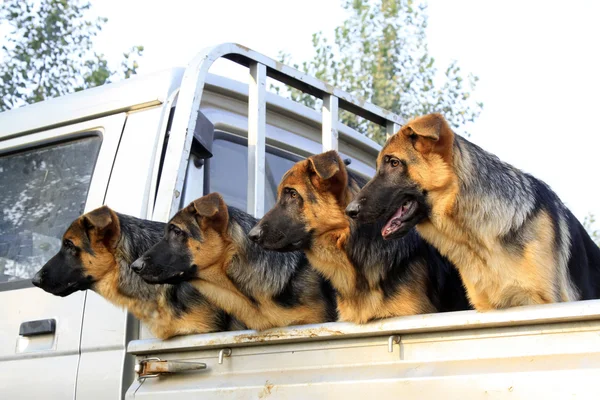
(360, 297)
(494, 274)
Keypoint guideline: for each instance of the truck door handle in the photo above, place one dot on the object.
(39, 327)
(153, 367)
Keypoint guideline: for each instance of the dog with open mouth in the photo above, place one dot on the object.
(512, 239)
(373, 278)
(96, 252)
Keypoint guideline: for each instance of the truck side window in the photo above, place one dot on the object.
(43, 190)
(229, 170)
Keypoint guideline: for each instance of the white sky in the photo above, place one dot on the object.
(538, 64)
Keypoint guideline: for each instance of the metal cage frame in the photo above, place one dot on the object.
(260, 67)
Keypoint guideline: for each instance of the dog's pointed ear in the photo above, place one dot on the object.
(213, 210)
(428, 133)
(330, 172)
(325, 165)
(102, 224)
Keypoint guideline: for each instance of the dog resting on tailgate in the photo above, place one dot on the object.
(96, 252)
(512, 239)
(373, 278)
(207, 243)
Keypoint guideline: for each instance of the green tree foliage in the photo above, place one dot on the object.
(129, 65)
(48, 51)
(588, 223)
(380, 54)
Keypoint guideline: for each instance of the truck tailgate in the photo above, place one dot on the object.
(550, 351)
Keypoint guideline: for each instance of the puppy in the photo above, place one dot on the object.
(206, 244)
(512, 239)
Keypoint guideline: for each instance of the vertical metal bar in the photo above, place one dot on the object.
(391, 128)
(256, 139)
(329, 135)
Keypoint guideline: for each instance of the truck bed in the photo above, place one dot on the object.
(547, 351)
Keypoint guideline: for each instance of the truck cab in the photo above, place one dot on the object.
(149, 145)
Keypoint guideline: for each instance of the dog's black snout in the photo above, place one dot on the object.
(37, 279)
(353, 209)
(256, 234)
(138, 265)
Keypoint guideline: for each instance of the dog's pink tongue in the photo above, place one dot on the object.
(388, 227)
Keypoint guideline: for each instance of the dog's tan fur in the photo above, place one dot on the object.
(325, 217)
(104, 264)
(494, 276)
(222, 243)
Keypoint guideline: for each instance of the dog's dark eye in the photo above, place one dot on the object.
(394, 163)
(176, 230)
(69, 246)
(292, 193)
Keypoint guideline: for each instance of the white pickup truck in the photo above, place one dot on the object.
(148, 145)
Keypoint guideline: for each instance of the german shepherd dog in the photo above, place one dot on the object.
(96, 252)
(206, 242)
(373, 278)
(512, 239)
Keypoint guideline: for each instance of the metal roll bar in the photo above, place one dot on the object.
(260, 67)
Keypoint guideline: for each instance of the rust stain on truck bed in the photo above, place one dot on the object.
(285, 334)
(266, 391)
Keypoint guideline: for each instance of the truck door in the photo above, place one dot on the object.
(47, 179)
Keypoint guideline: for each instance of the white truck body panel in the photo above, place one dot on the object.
(21, 356)
(132, 94)
(546, 352)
